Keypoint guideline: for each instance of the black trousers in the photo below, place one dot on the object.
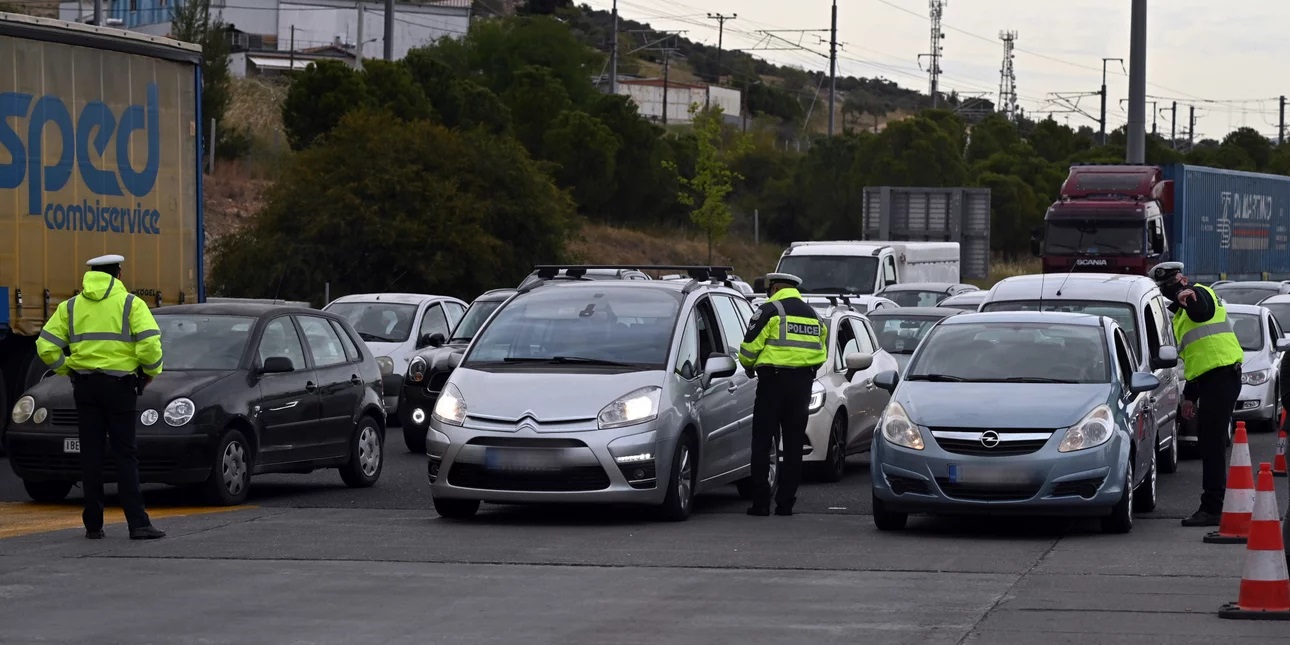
(1219, 389)
(783, 397)
(105, 405)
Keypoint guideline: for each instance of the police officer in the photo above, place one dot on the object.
(784, 348)
(1211, 356)
(108, 343)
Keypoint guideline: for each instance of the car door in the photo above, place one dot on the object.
(1165, 399)
(718, 403)
(873, 399)
(1136, 408)
(340, 387)
(733, 328)
(289, 406)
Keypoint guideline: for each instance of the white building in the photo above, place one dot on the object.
(277, 25)
(648, 96)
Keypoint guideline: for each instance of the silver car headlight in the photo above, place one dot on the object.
(386, 364)
(22, 409)
(817, 397)
(451, 407)
(1093, 430)
(898, 429)
(417, 370)
(1255, 377)
(637, 406)
(179, 412)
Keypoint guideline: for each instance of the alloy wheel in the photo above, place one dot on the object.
(369, 450)
(233, 467)
(685, 478)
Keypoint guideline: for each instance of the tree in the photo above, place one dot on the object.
(193, 23)
(535, 99)
(713, 179)
(319, 98)
(452, 212)
(392, 87)
(583, 150)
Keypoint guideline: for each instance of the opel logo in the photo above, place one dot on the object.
(989, 438)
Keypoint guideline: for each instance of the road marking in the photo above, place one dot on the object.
(21, 518)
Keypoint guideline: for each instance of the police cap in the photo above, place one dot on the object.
(1164, 272)
(106, 263)
(783, 278)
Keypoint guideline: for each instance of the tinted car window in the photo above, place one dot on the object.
(1120, 312)
(433, 322)
(901, 334)
(474, 318)
(323, 343)
(280, 339)
(1282, 311)
(732, 324)
(192, 342)
(831, 273)
(864, 335)
(1017, 351)
(612, 322)
(382, 322)
(915, 298)
(687, 358)
(351, 350)
(1249, 330)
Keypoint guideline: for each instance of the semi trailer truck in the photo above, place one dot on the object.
(99, 154)
(1222, 224)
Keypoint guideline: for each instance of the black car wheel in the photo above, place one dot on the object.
(366, 455)
(680, 487)
(1144, 498)
(456, 509)
(230, 480)
(414, 439)
(47, 492)
(887, 520)
(834, 466)
(1167, 458)
(1121, 518)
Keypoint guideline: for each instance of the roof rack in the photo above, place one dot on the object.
(697, 273)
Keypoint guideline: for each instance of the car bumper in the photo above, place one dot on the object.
(412, 400)
(163, 458)
(1256, 403)
(818, 427)
(1045, 482)
(544, 467)
(392, 386)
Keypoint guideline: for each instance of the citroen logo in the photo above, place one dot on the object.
(989, 438)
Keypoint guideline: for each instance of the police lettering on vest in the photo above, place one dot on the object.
(785, 332)
(1205, 346)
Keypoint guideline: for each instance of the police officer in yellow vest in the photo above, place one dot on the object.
(107, 342)
(1211, 356)
(785, 346)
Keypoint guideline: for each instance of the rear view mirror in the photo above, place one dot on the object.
(1143, 382)
(277, 365)
(430, 340)
(857, 361)
(718, 366)
(759, 285)
(1283, 344)
(887, 380)
(1166, 358)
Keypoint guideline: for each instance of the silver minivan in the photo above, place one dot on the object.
(1135, 303)
(614, 391)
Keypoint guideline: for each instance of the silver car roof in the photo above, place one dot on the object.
(1113, 287)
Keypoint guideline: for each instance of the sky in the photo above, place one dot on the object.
(1228, 59)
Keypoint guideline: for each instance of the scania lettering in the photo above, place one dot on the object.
(1223, 224)
(106, 160)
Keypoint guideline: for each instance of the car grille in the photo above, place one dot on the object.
(1085, 488)
(987, 492)
(975, 448)
(577, 478)
(72, 463)
(64, 418)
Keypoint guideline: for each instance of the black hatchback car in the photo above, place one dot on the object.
(245, 389)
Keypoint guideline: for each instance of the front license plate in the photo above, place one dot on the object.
(985, 475)
(71, 445)
(512, 459)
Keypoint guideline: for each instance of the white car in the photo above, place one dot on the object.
(1263, 341)
(394, 326)
(845, 403)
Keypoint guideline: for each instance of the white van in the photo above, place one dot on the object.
(395, 326)
(865, 268)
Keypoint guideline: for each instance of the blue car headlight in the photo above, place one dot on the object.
(1092, 431)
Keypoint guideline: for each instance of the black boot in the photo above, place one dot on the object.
(1203, 518)
(94, 535)
(759, 510)
(146, 533)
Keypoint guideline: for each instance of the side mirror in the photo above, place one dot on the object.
(857, 361)
(759, 285)
(887, 380)
(277, 365)
(718, 366)
(1143, 382)
(430, 340)
(1157, 243)
(1166, 358)
(1283, 344)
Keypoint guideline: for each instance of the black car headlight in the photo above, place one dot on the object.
(417, 370)
(179, 412)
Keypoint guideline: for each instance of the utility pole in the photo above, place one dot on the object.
(1136, 150)
(358, 52)
(934, 70)
(1281, 130)
(1173, 126)
(293, 48)
(667, 59)
(98, 12)
(1191, 131)
(833, 66)
(389, 29)
(613, 55)
(1102, 121)
(1008, 77)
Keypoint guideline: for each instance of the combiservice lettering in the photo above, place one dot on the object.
(96, 126)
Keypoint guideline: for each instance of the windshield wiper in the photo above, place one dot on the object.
(942, 378)
(1030, 379)
(561, 360)
(376, 338)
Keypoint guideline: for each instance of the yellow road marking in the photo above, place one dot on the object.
(20, 518)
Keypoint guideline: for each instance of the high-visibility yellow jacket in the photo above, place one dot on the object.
(104, 329)
(785, 332)
(1206, 345)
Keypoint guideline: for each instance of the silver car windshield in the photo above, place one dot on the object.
(900, 334)
(475, 316)
(610, 325)
(377, 322)
(1013, 352)
(1242, 295)
(1120, 312)
(1249, 330)
(203, 342)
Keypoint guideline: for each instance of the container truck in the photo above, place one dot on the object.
(1222, 224)
(99, 154)
(911, 214)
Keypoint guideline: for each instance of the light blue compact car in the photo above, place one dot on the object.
(1027, 413)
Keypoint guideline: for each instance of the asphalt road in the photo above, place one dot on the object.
(311, 561)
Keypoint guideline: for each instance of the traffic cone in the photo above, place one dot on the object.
(1238, 502)
(1265, 584)
(1279, 461)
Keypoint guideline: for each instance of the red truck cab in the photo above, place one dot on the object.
(1109, 219)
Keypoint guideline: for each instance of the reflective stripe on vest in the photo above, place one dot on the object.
(123, 336)
(1205, 346)
(784, 325)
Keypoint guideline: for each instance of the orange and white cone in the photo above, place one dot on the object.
(1238, 501)
(1279, 461)
(1265, 584)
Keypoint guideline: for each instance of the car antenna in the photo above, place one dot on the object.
(391, 284)
(278, 290)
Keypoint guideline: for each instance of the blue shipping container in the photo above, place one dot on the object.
(1229, 225)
